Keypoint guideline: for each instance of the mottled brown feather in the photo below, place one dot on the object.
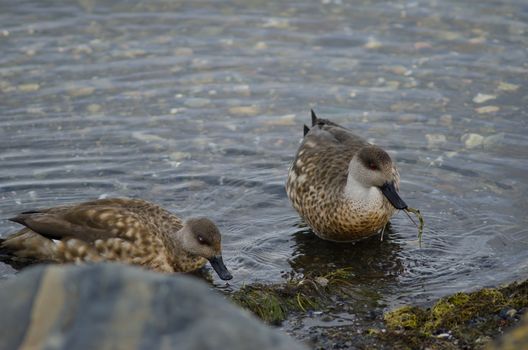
(317, 179)
(119, 229)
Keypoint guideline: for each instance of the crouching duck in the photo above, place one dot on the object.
(132, 231)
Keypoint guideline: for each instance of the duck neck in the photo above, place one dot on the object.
(180, 246)
(356, 191)
(174, 241)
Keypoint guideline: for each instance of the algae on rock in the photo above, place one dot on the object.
(274, 302)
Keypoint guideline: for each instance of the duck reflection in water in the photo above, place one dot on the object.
(366, 259)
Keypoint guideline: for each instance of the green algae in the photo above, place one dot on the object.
(463, 319)
(454, 311)
(407, 317)
(421, 221)
(273, 303)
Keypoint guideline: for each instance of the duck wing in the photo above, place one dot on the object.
(87, 221)
(326, 133)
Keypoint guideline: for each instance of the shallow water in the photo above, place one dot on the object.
(199, 106)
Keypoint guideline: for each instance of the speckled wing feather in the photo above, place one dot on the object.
(343, 136)
(118, 229)
(326, 146)
(87, 222)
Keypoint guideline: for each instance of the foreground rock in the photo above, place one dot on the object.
(108, 306)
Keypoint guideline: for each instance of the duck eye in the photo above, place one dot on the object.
(201, 240)
(373, 166)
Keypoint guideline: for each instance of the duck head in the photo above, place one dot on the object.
(371, 166)
(201, 237)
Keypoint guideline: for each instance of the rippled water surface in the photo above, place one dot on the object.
(199, 106)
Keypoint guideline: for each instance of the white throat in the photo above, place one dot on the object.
(361, 196)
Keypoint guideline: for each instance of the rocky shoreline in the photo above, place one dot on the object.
(113, 306)
(471, 320)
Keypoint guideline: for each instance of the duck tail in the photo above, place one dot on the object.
(3, 249)
(306, 130)
(22, 217)
(316, 121)
(314, 117)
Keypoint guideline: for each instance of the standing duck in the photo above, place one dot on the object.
(342, 186)
(132, 231)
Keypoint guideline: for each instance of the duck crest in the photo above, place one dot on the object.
(330, 191)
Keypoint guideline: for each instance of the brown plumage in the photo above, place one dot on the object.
(342, 186)
(132, 231)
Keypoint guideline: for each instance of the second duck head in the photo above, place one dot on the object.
(370, 167)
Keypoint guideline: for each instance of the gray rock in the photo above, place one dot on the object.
(111, 306)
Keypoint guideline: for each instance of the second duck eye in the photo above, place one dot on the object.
(201, 240)
(373, 166)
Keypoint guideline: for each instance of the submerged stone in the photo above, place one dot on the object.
(472, 140)
(481, 98)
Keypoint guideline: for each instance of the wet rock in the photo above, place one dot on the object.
(5, 86)
(183, 51)
(398, 70)
(178, 156)
(434, 140)
(487, 109)
(132, 53)
(81, 91)
(110, 306)
(322, 281)
(493, 140)
(261, 45)
(481, 98)
(477, 40)
(28, 87)
(82, 49)
(503, 86)
(446, 120)
(372, 43)
(196, 102)
(393, 84)
(176, 110)
(244, 110)
(30, 52)
(279, 23)
(243, 90)
(94, 108)
(472, 140)
(141, 136)
(507, 313)
(444, 336)
(420, 45)
(448, 35)
(288, 119)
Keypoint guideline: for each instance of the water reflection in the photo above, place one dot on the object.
(368, 259)
(372, 267)
(372, 271)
